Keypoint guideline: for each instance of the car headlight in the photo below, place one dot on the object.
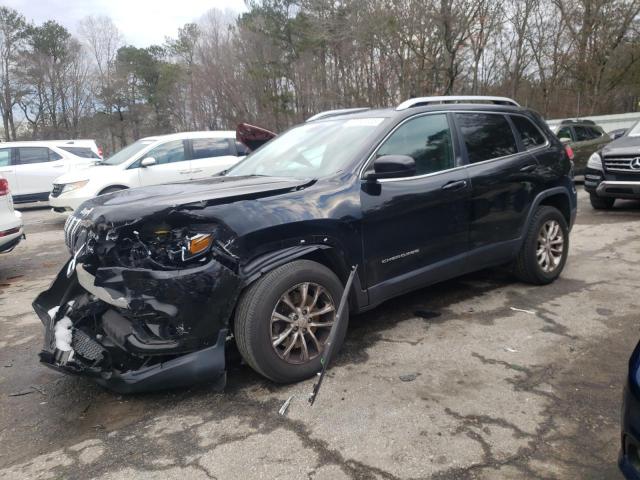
(166, 247)
(68, 187)
(595, 162)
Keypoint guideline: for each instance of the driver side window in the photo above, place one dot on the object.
(169, 152)
(426, 139)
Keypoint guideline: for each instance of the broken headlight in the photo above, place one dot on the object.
(165, 247)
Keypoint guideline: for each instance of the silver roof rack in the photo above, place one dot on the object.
(419, 101)
(335, 113)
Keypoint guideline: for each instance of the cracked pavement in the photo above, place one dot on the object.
(487, 391)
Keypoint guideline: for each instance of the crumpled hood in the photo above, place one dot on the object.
(137, 203)
(623, 146)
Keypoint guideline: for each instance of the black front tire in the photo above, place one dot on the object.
(526, 266)
(601, 203)
(252, 327)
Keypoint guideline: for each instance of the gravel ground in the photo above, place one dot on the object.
(487, 392)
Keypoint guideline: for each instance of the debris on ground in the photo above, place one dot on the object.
(21, 393)
(409, 377)
(426, 314)
(510, 350)
(285, 405)
(530, 312)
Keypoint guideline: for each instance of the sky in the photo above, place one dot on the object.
(141, 22)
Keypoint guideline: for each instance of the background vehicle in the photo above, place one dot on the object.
(614, 171)
(629, 459)
(10, 220)
(177, 157)
(413, 195)
(584, 137)
(31, 167)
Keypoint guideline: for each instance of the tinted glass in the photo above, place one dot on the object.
(210, 147)
(486, 136)
(169, 152)
(565, 132)
(54, 155)
(529, 133)
(241, 149)
(5, 157)
(426, 139)
(80, 152)
(33, 155)
(595, 133)
(582, 134)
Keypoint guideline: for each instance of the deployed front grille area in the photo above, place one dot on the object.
(622, 164)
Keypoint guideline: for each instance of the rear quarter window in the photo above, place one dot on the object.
(530, 135)
(486, 136)
(5, 157)
(210, 147)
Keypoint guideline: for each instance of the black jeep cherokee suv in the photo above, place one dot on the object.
(162, 277)
(614, 171)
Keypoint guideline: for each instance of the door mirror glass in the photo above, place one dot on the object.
(392, 166)
(147, 162)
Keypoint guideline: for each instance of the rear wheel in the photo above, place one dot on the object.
(283, 320)
(546, 246)
(601, 203)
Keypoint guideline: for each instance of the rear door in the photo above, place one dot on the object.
(7, 169)
(172, 164)
(36, 169)
(504, 178)
(210, 156)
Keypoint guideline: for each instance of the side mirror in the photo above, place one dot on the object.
(392, 166)
(147, 162)
(565, 140)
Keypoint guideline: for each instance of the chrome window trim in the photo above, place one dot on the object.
(504, 157)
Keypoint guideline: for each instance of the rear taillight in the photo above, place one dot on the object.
(4, 187)
(569, 151)
(100, 152)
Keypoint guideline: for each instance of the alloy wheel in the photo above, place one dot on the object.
(550, 246)
(301, 322)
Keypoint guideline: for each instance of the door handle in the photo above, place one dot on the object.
(196, 171)
(58, 166)
(452, 186)
(6, 171)
(184, 172)
(528, 168)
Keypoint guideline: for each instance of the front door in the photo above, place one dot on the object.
(171, 164)
(412, 224)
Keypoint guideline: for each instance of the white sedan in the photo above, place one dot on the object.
(171, 158)
(10, 220)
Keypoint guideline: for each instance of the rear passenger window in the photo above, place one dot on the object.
(529, 134)
(486, 136)
(595, 133)
(426, 139)
(81, 152)
(5, 157)
(582, 134)
(209, 147)
(33, 155)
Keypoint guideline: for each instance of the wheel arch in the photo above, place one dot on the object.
(121, 187)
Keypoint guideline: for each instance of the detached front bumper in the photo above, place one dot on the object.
(136, 330)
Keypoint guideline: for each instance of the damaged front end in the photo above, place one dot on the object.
(142, 305)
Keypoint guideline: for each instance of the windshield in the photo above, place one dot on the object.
(311, 150)
(126, 153)
(635, 131)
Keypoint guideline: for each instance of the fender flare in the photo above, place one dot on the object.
(264, 263)
(538, 200)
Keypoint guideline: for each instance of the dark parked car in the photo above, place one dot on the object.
(584, 137)
(614, 171)
(162, 278)
(629, 459)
